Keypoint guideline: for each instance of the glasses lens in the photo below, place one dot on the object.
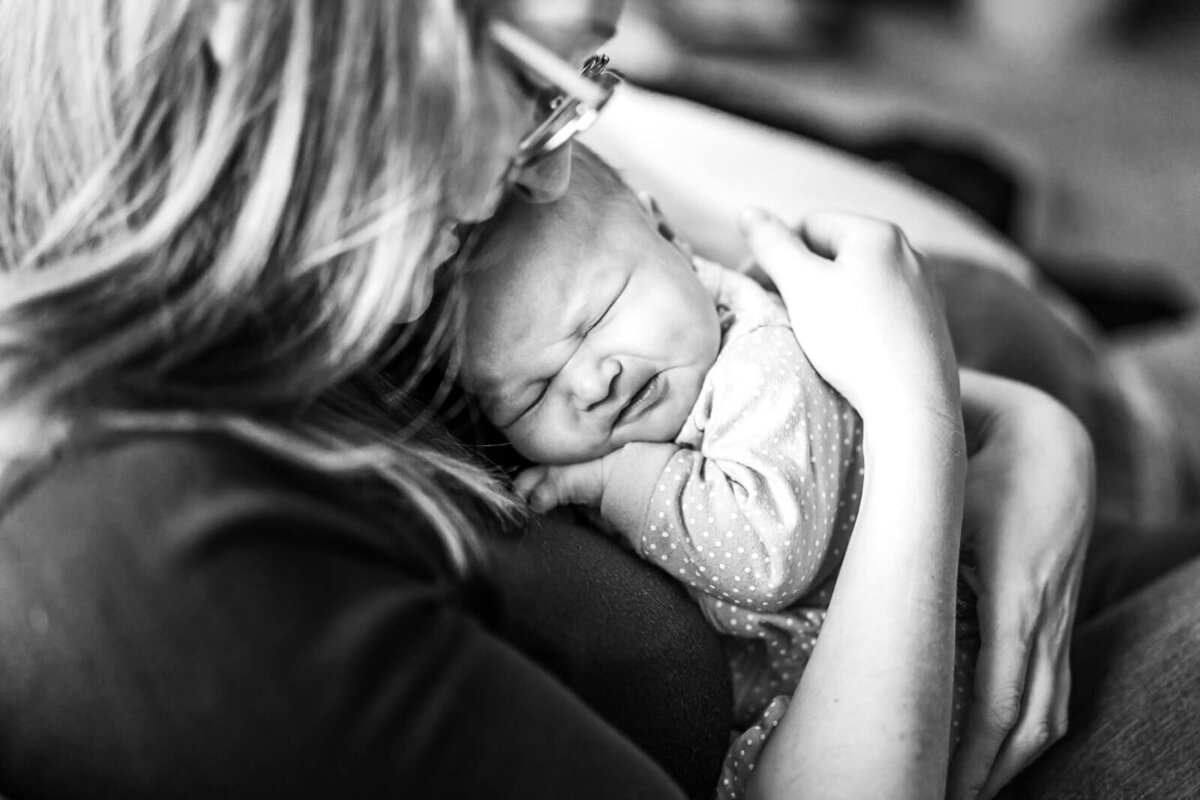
(567, 116)
(563, 112)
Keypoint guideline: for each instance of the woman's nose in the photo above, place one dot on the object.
(593, 383)
(546, 179)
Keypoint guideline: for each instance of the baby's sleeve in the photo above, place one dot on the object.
(768, 499)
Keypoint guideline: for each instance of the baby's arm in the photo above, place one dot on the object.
(750, 515)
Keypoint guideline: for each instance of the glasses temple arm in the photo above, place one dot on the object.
(543, 63)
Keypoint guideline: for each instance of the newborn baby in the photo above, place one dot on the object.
(671, 394)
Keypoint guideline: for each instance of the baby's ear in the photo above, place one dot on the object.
(650, 206)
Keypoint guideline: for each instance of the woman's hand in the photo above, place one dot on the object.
(1029, 502)
(871, 714)
(865, 310)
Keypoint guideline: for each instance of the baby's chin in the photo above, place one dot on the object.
(663, 427)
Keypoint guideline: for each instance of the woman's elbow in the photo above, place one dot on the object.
(1061, 440)
(1065, 430)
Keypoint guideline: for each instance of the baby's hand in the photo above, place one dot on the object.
(549, 485)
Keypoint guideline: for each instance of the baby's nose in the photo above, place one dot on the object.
(595, 384)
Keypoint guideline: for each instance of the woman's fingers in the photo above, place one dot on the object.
(776, 248)
(1030, 495)
(1023, 684)
(833, 235)
(1042, 722)
(999, 689)
(862, 308)
(824, 237)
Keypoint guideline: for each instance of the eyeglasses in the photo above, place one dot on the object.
(569, 101)
(572, 102)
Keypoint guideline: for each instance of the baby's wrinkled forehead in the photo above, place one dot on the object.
(496, 313)
(532, 271)
(508, 310)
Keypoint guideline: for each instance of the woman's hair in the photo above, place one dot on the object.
(187, 244)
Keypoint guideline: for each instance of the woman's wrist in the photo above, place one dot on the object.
(904, 431)
(875, 692)
(924, 399)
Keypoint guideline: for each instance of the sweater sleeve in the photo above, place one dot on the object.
(163, 636)
(757, 513)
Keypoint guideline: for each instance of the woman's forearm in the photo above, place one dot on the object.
(871, 715)
(1029, 499)
(704, 166)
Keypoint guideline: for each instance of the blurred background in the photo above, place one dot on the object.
(1073, 126)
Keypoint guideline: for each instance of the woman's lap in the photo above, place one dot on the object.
(1135, 701)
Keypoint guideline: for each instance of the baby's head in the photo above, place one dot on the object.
(586, 327)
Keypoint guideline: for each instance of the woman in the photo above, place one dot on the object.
(232, 564)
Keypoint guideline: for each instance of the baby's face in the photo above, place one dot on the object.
(578, 345)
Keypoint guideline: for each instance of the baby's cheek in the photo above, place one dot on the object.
(542, 438)
(526, 440)
(566, 444)
(675, 417)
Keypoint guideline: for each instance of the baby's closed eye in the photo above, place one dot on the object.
(595, 320)
(504, 414)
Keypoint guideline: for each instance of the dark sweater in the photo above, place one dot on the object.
(181, 617)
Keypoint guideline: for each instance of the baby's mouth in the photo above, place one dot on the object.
(649, 395)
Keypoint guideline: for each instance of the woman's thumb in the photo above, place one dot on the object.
(774, 246)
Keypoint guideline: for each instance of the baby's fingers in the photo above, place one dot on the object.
(527, 483)
(551, 485)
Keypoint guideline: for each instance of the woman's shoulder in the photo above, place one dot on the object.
(206, 606)
(168, 497)
(159, 468)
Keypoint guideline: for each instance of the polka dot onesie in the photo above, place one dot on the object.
(753, 514)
